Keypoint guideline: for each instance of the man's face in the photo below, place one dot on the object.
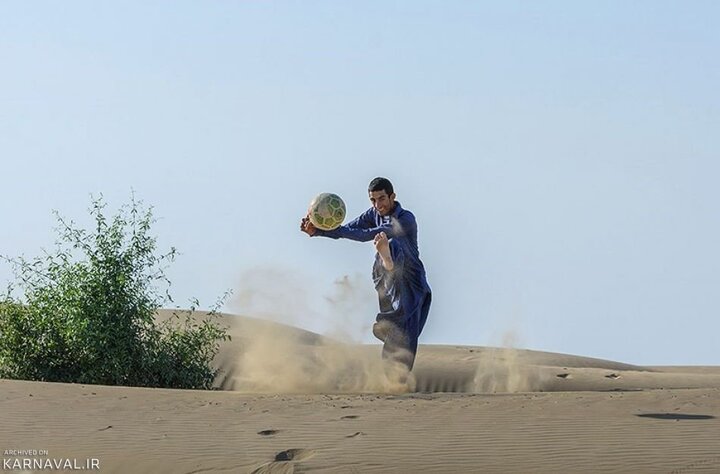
(382, 203)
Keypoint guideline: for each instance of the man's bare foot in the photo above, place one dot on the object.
(382, 245)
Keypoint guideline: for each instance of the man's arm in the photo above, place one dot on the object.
(404, 225)
(366, 220)
(350, 230)
(359, 235)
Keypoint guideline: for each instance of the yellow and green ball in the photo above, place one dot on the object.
(327, 211)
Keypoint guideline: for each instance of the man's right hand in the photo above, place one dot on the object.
(307, 226)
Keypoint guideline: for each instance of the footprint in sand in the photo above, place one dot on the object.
(295, 455)
(284, 462)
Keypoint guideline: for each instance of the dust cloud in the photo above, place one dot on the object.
(501, 371)
(281, 359)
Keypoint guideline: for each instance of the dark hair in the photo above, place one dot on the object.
(381, 184)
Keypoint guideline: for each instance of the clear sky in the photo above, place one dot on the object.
(562, 158)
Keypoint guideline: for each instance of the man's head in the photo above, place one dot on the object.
(382, 196)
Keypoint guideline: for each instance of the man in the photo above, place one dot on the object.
(399, 275)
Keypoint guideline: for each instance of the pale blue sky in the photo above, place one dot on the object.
(561, 157)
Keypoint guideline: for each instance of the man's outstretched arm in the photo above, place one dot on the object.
(350, 233)
(396, 228)
(362, 228)
(351, 230)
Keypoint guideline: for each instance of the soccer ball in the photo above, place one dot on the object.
(327, 211)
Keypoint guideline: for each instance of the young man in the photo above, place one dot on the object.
(399, 275)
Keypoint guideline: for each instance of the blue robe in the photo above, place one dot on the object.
(403, 293)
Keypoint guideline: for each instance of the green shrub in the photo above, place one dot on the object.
(87, 311)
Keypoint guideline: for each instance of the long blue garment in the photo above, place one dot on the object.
(404, 294)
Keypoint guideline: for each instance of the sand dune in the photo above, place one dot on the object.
(173, 431)
(268, 357)
(294, 401)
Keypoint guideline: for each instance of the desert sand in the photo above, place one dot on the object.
(289, 400)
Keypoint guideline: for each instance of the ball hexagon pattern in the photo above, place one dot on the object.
(327, 211)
